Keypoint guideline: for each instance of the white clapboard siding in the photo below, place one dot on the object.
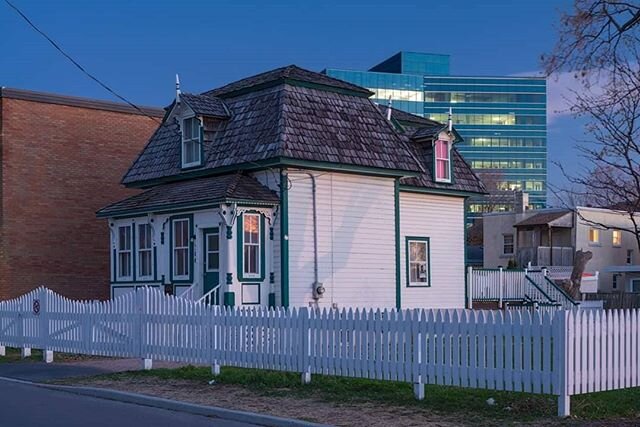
(356, 244)
(567, 352)
(441, 219)
(271, 179)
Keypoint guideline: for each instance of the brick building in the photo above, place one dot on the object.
(61, 159)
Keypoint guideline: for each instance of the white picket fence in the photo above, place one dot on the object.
(565, 352)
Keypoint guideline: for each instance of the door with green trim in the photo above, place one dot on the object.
(211, 260)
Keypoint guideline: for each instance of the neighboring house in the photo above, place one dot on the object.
(60, 157)
(550, 237)
(292, 188)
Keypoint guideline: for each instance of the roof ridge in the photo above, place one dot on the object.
(231, 188)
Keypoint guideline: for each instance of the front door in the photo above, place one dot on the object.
(211, 261)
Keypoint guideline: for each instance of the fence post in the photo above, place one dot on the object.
(500, 287)
(3, 350)
(47, 355)
(561, 359)
(141, 306)
(305, 331)
(214, 339)
(416, 318)
(470, 287)
(25, 351)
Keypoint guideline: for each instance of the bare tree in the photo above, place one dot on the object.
(595, 36)
(610, 176)
(599, 40)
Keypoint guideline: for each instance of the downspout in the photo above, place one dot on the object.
(318, 289)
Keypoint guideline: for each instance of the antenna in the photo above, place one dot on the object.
(450, 121)
(389, 109)
(177, 89)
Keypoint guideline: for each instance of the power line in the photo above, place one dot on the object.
(74, 62)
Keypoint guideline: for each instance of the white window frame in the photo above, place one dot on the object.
(258, 244)
(504, 244)
(127, 250)
(629, 259)
(175, 249)
(194, 139)
(442, 159)
(597, 235)
(631, 282)
(617, 233)
(427, 267)
(146, 251)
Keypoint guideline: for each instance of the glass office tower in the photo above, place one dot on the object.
(502, 120)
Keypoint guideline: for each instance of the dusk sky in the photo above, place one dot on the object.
(137, 47)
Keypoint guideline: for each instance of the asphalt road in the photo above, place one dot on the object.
(25, 405)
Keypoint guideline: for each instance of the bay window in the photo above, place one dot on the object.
(181, 249)
(124, 256)
(145, 252)
(251, 245)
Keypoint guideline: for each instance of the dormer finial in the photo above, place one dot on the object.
(450, 121)
(177, 89)
(389, 109)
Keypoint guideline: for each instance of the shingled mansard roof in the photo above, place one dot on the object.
(206, 105)
(230, 188)
(290, 114)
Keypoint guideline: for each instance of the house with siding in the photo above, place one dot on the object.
(550, 238)
(292, 188)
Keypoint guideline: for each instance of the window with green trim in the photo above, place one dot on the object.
(251, 245)
(181, 249)
(191, 142)
(418, 268)
(145, 252)
(124, 256)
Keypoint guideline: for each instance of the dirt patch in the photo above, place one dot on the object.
(241, 398)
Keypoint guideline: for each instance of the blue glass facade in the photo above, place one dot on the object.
(502, 119)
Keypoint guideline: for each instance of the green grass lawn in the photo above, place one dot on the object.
(471, 403)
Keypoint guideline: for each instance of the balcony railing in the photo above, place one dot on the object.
(546, 256)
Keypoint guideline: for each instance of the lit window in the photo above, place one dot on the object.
(124, 252)
(418, 261)
(191, 142)
(616, 238)
(181, 249)
(251, 245)
(443, 161)
(594, 235)
(145, 256)
(507, 244)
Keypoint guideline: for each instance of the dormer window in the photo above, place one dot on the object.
(442, 150)
(191, 142)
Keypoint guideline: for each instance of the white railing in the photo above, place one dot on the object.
(190, 292)
(553, 291)
(212, 297)
(564, 353)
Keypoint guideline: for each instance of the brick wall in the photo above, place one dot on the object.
(59, 164)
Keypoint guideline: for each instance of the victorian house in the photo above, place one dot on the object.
(292, 188)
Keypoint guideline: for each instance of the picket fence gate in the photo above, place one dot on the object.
(566, 352)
